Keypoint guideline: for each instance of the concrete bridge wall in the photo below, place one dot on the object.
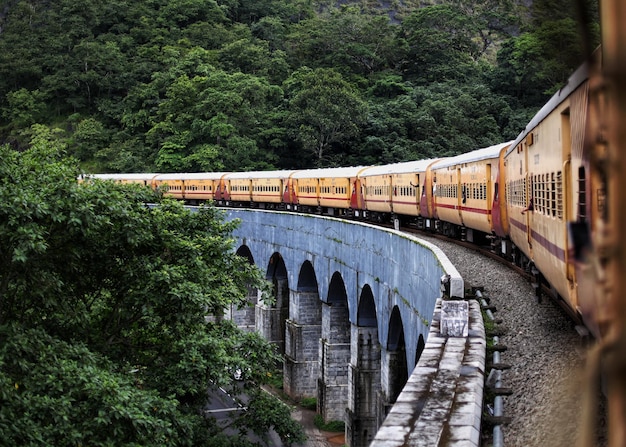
(352, 312)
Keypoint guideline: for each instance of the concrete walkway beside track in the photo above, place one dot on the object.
(441, 404)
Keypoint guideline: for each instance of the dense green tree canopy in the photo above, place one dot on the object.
(324, 110)
(103, 336)
(103, 302)
(205, 85)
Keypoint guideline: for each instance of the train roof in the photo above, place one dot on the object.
(574, 81)
(192, 176)
(469, 157)
(134, 176)
(346, 172)
(398, 168)
(260, 174)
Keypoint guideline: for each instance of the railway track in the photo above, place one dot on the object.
(542, 289)
(544, 350)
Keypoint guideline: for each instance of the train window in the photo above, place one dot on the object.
(514, 193)
(559, 195)
(553, 195)
(582, 197)
(538, 194)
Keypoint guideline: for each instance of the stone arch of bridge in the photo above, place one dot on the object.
(271, 317)
(380, 278)
(395, 371)
(244, 317)
(303, 332)
(364, 385)
(334, 348)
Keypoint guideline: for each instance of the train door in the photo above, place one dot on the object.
(461, 195)
(528, 195)
(500, 224)
(488, 194)
(428, 188)
(289, 192)
(565, 194)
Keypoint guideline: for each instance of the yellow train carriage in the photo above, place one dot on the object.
(145, 179)
(200, 186)
(269, 186)
(395, 188)
(464, 188)
(479, 171)
(376, 189)
(330, 189)
(306, 187)
(170, 184)
(257, 187)
(447, 193)
(545, 185)
(238, 188)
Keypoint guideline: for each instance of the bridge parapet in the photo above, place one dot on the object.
(365, 298)
(441, 404)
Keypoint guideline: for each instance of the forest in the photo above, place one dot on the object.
(111, 328)
(220, 85)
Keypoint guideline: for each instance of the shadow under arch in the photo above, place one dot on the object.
(307, 280)
(243, 315)
(363, 415)
(244, 252)
(302, 334)
(366, 313)
(421, 344)
(332, 390)
(397, 369)
(271, 319)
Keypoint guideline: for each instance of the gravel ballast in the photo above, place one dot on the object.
(544, 351)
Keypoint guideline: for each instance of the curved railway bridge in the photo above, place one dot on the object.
(371, 322)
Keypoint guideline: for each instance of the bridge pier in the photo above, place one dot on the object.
(244, 318)
(302, 335)
(334, 357)
(270, 320)
(394, 375)
(363, 386)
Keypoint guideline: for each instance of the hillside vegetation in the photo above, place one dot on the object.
(200, 85)
(104, 335)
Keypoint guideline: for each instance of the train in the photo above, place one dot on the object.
(527, 198)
